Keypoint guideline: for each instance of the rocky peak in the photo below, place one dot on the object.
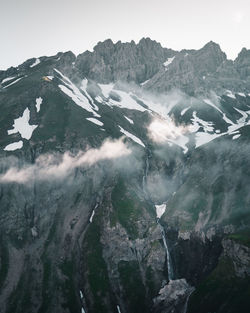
(147, 42)
(211, 45)
(244, 54)
(209, 57)
(123, 61)
(242, 63)
(102, 48)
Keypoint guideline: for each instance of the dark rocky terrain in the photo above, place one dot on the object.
(124, 181)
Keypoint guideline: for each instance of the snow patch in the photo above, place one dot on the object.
(95, 121)
(203, 138)
(84, 89)
(197, 123)
(244, 115)
(78, 98)
(184, 111)
(209, 102)
(133, 137)
(230, 94)
(160, 209)
(37, 61)
(75, 94)
(14, 82)
(241, 94)
(14, 146)
(7, 79)
(127, 102)
(92, 216)
(236, 136)
(144, 83)
(130, 121)
(227, 120)
(168, 62)
(22, 125)
(38, 103)
(106, 89)
(99, 99)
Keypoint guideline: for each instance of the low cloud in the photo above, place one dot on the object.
(49, 167)
(163, 130)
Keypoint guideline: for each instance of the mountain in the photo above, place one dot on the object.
(124, 181)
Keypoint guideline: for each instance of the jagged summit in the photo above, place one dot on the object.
(157, 68)
(124, 181)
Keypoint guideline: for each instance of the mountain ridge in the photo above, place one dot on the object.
(124, 181)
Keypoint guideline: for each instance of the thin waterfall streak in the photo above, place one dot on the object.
(169, 262)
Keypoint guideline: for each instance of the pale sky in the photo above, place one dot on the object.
(33, 28)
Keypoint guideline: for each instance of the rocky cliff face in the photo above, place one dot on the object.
(124, 178)
(111, 62)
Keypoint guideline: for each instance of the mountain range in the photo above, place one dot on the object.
(124, 181)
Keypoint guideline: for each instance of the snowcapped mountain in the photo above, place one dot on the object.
(124, 181)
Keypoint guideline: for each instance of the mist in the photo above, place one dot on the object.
(50, 166)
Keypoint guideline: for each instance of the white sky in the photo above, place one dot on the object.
(32, 28)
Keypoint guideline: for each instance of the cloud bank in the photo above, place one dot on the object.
(49, 167)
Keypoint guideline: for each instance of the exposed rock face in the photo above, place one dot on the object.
(123, 61)
(199, 72)
(173, 297)
(88, 238)
(240, 256)
(242, 63)
(194, 72)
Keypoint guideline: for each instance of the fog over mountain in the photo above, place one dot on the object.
(124, 181)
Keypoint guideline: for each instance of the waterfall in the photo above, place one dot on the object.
(169, 262)
(144, 179)
(82, 299)
(118, 309)
(160, 209)
(186, 303)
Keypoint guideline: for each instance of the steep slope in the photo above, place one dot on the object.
(124, 181)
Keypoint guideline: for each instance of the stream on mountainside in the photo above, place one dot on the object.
(144, 187)
(169, 261)
(170, 267)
